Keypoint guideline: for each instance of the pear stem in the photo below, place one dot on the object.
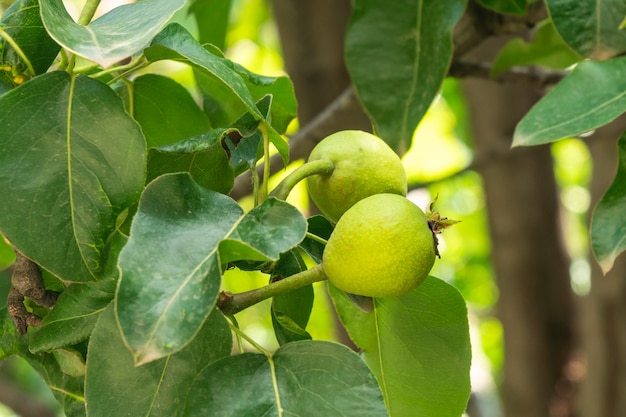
(231, 304)
(318, 167)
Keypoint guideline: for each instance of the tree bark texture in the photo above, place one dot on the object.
(603, 310)
(528, 255)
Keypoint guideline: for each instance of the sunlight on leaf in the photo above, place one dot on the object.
(398, 55)
(592, 95)
(181, 239)
(67, 176)
(418, 347)
(114, 36)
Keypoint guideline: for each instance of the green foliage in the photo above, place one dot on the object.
(590, 27)
(398, 55)
(546, 49)
(591, 96)
(118, 34)
(407, 340)
(26, 49)
(506, 6)
(116, 186)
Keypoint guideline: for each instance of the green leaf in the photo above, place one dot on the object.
(546, 49)
(7, 255)
(319, 226)
(72, 160)
(206, 156)
(591, 27)
(418, 347)
(202, 156)
(67, 389)
(22, 24)
(115, 387)
(591, 96)
(175, 43)
(517, 7)
(398, 54)
(302, 378)
(291, 310)
(214, 73)
(70, 361)
(608, 225)
(166, 111)
(74, 315)
(212, 17)
(283, 107)
(11, 342)
(171, 267)
(112, 37)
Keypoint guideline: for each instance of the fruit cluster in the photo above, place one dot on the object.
(383, 245)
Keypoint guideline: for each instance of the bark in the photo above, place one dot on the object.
(603, 310)
(530, 262)
(312, 38)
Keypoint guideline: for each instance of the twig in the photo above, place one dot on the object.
(477, 25)
(537, 76)
(231, 304)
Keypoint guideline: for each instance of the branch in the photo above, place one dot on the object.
(477, 25)
(231, 304)
(537, 76)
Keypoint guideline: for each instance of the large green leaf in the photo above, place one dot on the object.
(115, 387)
(591, 27)
(307, 378)
(11, 342)
(398, 54)
(67, 389)
(112, 37)
(175, 43)
(608, 224)
(546, 49)
(22, 23)
(181, 237)
(217, 74)
(506, 6)
(418, 347)
(72, 160)
(74, 315)
(166, 111)
(592, 95)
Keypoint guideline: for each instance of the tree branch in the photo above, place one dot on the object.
(476, 25)
(234, 303)
(537, 76)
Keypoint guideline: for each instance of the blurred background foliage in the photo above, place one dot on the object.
(439, 163)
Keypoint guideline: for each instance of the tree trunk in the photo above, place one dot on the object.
(530, 262)
(603, 310)
(312, 36)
